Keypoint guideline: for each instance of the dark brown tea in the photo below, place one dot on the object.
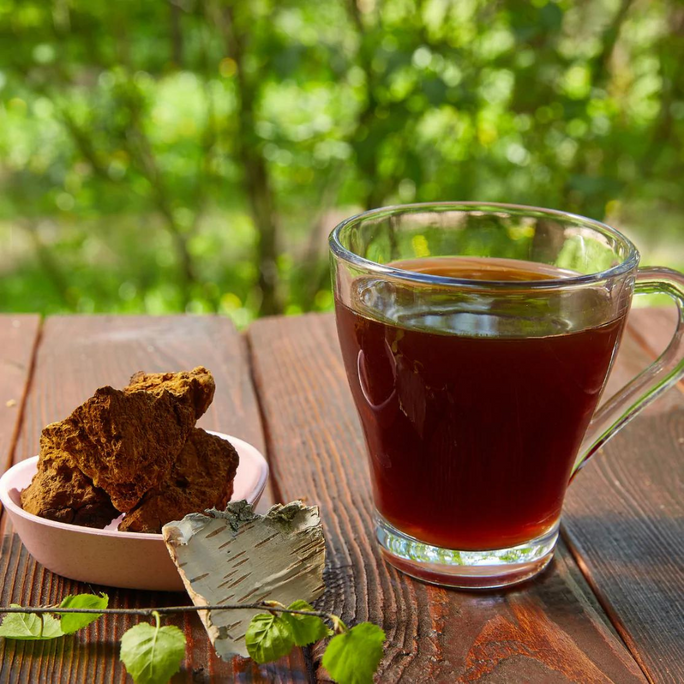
(472, 435)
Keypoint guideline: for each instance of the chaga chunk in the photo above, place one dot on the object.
(126, 442)
(196, 386)
(202, 477)
(134, 450)
(60, 491)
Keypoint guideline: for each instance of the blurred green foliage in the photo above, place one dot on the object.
(193, 155)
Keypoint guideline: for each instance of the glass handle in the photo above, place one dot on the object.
(664, 372)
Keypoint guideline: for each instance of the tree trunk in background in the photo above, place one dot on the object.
(50, 265)
(263, 213)
(547, 242)
(256, 177)
(176, 35)
(366, 138)
(366, 162)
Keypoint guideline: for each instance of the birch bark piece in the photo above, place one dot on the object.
(237, 556)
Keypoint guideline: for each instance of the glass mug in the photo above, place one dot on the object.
(477, 339)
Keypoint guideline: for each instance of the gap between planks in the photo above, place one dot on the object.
(273, 487)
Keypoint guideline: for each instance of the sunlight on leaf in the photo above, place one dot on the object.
(30, 627)
(72, 622)
(152, 654)
(353, 657)
(268, 638)
(306, 629)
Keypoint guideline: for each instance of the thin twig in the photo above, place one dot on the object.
(148, 612)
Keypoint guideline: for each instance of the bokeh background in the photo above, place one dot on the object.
(192, 155)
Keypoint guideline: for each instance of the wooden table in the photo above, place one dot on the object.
(609, 609)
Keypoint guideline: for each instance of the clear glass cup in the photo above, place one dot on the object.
(477, 340)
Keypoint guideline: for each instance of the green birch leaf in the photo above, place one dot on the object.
(72, 622)
(152, 655)
(306, 629)
(27, 626)
(353, 657)
(268, 638)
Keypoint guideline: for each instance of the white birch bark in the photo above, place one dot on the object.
(237, 556)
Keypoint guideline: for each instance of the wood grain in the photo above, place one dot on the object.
(624, 520)
(75, 356)
(550, 630)
(18, 336)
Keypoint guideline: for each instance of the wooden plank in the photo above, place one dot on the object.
(550, 630)
(18, 337)
(624, 521)
(76, 355)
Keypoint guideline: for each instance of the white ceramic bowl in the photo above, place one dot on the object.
(117, 559)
